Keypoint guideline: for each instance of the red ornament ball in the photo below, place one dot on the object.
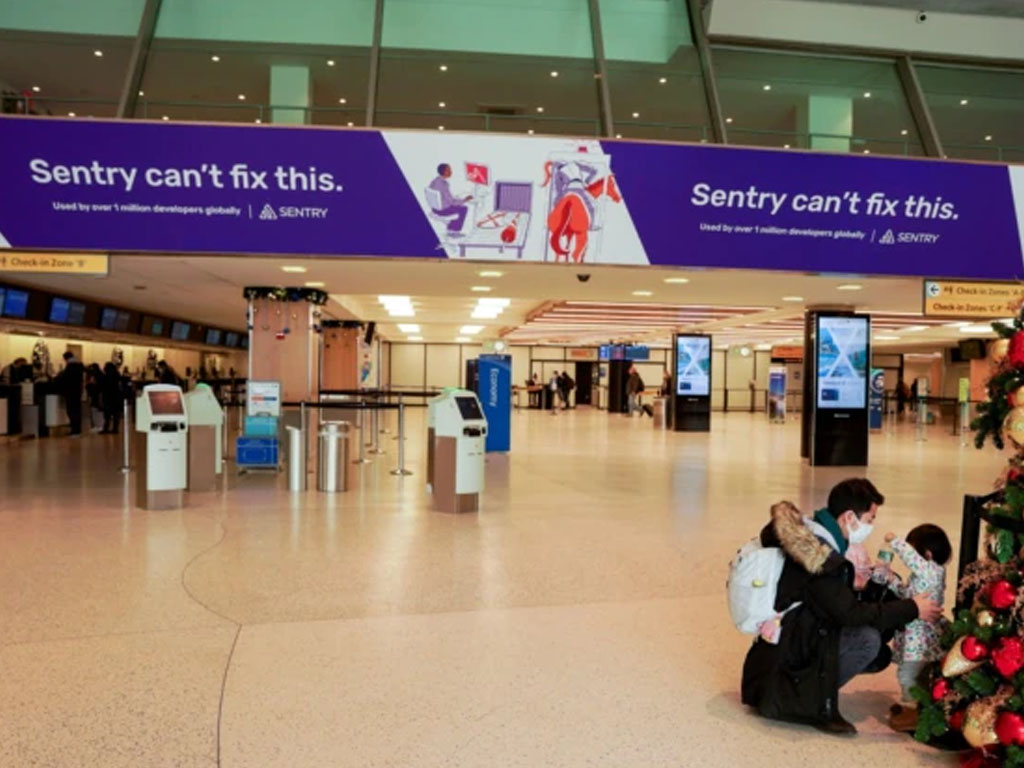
(1008, 656)
(1015, 354)
(956, 720)
(1002, 594)
(1010, 729)
(940, 689)
(973, 649)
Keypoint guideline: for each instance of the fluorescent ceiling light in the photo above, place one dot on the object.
(793, 298)
(480, 288)
(415, 338)
(914, 328)
(763, 347)
(677, 280)
(292, 268)
(315, 284)
(490, 273)
(976, 329)
(887, 338)
(488, 301)
(409, 327)
(643, 293)
(470, 330)
(462, 339)
(397, 306)
(955, 325)
(849, 287)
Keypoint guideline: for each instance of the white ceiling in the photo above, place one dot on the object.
(208, 290)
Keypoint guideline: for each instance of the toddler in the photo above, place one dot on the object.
(925, 552)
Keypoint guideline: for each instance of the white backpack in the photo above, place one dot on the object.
(753, 585)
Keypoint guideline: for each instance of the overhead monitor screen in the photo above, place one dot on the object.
(638, 353)
(213, 336)
(180, 331)
(2, 294)
(76, 313)
(469, 407)
(16, 303)
(167, 403)
(59, 310)
(123, 319)
(108, 319)
(231, 339)
(693, 365)
(842, 362)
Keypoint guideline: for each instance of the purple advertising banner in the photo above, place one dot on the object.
(132, 186)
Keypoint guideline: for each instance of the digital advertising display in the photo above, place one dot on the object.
(693, 365)
(842, 356)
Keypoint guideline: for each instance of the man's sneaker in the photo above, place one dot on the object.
(837, 726)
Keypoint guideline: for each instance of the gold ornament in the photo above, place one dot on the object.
(955, 663)
(1013, 427)
(1017, 397)
(997, 350)
(985, 619)
(980, 723)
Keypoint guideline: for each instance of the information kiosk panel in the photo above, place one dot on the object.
(460, 437)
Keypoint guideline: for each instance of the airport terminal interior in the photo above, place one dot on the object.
(394, 382)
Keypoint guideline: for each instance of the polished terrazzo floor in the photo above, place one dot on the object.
(578, 620)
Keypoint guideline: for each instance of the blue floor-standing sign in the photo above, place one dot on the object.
(875, 399)
(495, 392)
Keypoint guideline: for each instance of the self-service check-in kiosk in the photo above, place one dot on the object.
(205, 428)
(456, 463)
(161, 427)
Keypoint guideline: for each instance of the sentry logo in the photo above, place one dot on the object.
(267, 214)
(888, 238)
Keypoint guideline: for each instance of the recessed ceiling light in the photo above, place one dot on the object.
(330, 62)
(481, 288)
(343, 100)
(728, 120)
(350, 124)
(636, 115)
(241, 97)
(490, 273)
(786, 146)
(409, 327)
(462, 339)
(988, 137)
(662, 80)
(36, 88)
(964, 102)
(215, 57)
(257, 121)
(867, 151)
(956, 325)
(415, 338)
(540, 109)
(530, 131)
(293, 268)
(554, 73)
(442, 104)
(867, 94)
(440, 127)
(397, 306)
(443, 67)
(142, 93)
(849, 287)
(793, 298)
(98, 53)
(618, 135)
(315, 284)
(165, 117)
(470, 330)
(677, 280)
(643, 293)
(72, 114)
(766, 87)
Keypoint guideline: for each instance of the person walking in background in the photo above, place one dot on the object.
(902, 395)
(634, 386)
(666, 384)
(94, 396)
(565, 386)
(554, 389)
(69, 383)
(112, 397)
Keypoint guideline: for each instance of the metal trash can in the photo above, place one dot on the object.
(661, 413)
(331, 476)
(296, 460)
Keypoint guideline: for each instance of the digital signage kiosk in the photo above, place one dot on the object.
(691, 397)
(839, 399)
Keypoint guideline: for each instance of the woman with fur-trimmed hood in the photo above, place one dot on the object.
(827, 636)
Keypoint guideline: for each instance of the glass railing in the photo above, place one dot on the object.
(474, 121)
(23, 105)
(993, 153)
(825, 142)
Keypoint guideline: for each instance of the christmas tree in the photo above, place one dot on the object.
(977, 691)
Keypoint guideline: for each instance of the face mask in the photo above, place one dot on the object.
(860, 533)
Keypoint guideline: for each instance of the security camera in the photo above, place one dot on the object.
(583, 277)
(922, 17)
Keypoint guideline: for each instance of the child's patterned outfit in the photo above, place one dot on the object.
(918, 643)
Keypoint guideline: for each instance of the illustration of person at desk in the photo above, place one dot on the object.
(453, 210)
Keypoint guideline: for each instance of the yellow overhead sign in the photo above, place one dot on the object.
(54, 263)
(946, 298)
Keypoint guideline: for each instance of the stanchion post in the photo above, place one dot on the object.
(126, 437)
(361, 459)
(922, 414)
(375, 428)
(401, 441)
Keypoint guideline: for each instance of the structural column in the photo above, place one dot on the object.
(827, 121)
(290, 94)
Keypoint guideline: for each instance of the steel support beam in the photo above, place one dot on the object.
(601, 70)
(707, 69)
(919, 107)
(137, 63)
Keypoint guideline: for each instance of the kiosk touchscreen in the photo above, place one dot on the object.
(842, 356)
(692, 395)
(161, 426)
(459, 446)
(205, 436)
